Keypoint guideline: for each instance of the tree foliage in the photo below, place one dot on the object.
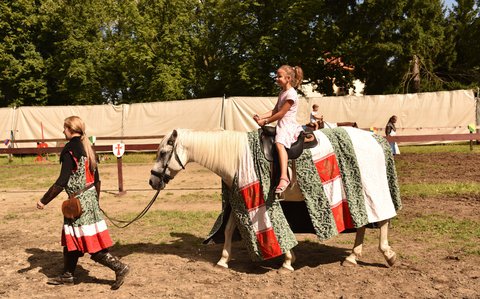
(22, 67)
(465, 26)
(58, 52)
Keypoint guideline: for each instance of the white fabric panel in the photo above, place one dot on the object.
(371, 162)
(160, 118)
(331, 190)
(100, 120)
(444, 112)
(246, 173)
(447, 112)
(6, 123)
(239, 112)
(260, 218)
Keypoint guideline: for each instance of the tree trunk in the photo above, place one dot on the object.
(416, 74)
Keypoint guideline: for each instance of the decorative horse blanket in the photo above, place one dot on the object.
(348, 181)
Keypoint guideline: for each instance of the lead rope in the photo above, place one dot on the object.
(116, 222)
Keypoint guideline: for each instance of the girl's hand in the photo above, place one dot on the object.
(262, 122)
(40, 205)
(256, 117)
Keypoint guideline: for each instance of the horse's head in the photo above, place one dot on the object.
(168, 162)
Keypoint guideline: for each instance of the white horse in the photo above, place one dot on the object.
(222, 153)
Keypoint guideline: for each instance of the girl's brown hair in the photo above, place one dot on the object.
(76, 125)
(295, 73)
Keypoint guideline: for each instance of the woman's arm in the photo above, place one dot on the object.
(68, 165)
(60, 183)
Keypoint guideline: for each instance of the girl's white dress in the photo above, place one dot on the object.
(288, 128)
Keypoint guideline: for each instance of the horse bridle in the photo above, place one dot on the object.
(163, 176)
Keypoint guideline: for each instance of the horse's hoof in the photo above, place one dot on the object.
(285, 269)
(349, 263)
(221, 266)
(391, 260)
(389, 255)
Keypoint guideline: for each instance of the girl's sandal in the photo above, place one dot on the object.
(282, 186)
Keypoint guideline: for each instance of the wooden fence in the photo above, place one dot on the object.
(152, 147)
(41, 150)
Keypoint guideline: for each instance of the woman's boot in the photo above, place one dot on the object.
(112, 262)
(70, 260)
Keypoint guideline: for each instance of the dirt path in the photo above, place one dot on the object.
(30, 251)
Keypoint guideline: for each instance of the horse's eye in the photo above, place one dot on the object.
(160, 155)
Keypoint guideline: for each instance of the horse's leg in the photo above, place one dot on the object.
(227, 245)
(389, 255)
(357, 247)
(289, 260)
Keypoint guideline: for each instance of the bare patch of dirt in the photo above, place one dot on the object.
(30, 251)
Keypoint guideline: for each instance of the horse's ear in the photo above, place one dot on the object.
(173, 137)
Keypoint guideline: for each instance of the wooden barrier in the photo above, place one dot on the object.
(158, 137)
(153, 147)
(98, 148)
(430, 138)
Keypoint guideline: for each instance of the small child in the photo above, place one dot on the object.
(314, 119)
(285, 112)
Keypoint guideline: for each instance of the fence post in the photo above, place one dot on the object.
(120, 177)
(471, 143)
(471, 128)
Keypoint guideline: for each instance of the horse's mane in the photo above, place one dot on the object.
(219, 151)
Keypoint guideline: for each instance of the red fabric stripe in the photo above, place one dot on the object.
(89, 175)
(342, 216)
(90, 244)
(338, 216)
(328, 168)
(252, 195)
(347, 217)
(269, 244)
